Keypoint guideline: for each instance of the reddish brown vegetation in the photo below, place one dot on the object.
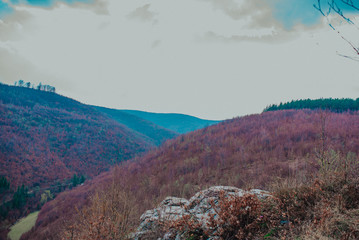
(107, 217)
(45, 137)
(252, 151)
(234, 217)
(316, 210)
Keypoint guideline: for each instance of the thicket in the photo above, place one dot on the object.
(106, 217)
(334, 105)
(325, 208)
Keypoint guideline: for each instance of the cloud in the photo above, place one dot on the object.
(143, 14)
(155, 43)
(258, 13)
(255, 22)
(213, 59)
(273, 38)
(12, 26)
(14, 67)
(97, 6)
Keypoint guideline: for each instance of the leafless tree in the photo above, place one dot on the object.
(336, 7)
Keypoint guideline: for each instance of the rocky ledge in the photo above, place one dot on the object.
(199, 208)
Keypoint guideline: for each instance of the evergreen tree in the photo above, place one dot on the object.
(20, 197)
(334, 105)
(82, 179)
(75, 180)
(4, 184)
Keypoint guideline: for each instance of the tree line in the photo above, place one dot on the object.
(334, 105)
(41, 87)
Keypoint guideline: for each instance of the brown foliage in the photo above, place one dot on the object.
(252, 151)
(107, 217)
(311, 211)
(236, 216)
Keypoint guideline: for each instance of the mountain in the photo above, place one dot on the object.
(50, 143)
(257, 151)
(155, 133)
(175, 122)
(45, 137)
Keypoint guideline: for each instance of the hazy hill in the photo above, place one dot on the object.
(156, 133)
(252, 151)
(176, 122)
(45, 137)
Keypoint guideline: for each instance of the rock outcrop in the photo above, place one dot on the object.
(199, 207)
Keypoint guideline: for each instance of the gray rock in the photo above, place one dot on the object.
(198, 208)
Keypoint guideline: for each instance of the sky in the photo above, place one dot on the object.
(214, 59)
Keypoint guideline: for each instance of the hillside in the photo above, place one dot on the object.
(46, 137)
(175, 122)
(155, 133)
(260, 151)
(50, 143)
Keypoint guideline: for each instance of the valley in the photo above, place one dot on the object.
(275, 151)
(50, 143)
(179, 120)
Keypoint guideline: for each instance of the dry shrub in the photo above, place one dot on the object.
(321, 209)
(234, 217)
(297, 204)
(327, 208)
(107, 217)
(188, 226)
(242, 217)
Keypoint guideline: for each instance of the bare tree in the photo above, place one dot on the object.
(341, 8)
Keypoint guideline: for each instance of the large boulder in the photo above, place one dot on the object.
(199, 207)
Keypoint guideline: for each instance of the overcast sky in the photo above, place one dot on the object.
(214, 59)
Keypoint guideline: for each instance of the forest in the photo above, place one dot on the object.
(277, 148)
(331, 104)
(49, 143)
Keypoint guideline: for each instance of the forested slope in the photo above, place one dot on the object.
(258, 151)
(155, 133)
(176, 122)
(45, 137)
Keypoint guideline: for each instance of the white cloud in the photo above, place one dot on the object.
(143, 13)
(213, 59)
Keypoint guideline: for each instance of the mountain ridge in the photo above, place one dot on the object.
(157, 134)
(176, 122)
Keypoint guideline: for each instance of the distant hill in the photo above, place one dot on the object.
(256, 151)
(175, 122)
(155, 133)
(45, 137)
(331, 104)
(49, 142)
